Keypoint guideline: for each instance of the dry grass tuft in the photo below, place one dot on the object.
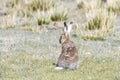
(43, 11)
(80, 4)
(98, 19)
(43, 20)
(41, 5)
(90, 4)
(59, 14)
(13, 3)
(113, 5)
(101, 19)
(8, 22)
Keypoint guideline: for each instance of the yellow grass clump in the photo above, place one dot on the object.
(59, 14)
(99, 20)
(113, 5)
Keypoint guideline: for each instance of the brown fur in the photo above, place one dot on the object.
(69, 54)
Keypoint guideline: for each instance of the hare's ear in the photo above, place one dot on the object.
(67, 28)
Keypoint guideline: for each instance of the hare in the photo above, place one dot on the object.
(68, 58)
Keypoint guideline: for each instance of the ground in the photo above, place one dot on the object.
(28, 55)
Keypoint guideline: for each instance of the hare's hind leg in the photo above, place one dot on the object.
(73, 66)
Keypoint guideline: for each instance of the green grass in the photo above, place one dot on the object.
(26, 66)
(95, 38)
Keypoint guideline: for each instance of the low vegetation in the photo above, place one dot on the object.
(43, 19)
(25, 66)
(59, 15)
(113, 5)
(93, 37)
(30, 31)
(103, 20)
(98, 18)
(8, 22)
(13, 3)
(80, 4)
(41, 5)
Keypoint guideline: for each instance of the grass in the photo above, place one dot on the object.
(59, 15)
(25, 13)
(8, 22)
(98, 18)
(41, 11)
(101, 38)
(31, 28)
(90, 5)
(25, 66)
(13, 3)
(113, 6)
(80, 4)
(43, 21)
(94, 35)
(30, 54)
(32, 58)
(33, 4)
(41, 5)
(94, 24)
(43, 18)
(103, 20)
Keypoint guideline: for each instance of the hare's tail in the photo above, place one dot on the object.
(58, 68)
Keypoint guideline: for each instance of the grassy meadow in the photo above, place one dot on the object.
(30, 31)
